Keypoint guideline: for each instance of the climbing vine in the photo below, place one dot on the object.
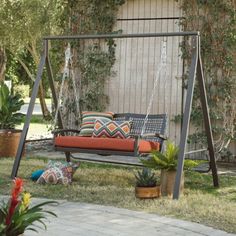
(216, 21)
(96, 68)
(92, 59)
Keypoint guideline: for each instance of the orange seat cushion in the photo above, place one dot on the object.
(118, 144)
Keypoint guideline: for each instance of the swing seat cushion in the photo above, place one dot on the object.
(115, 144)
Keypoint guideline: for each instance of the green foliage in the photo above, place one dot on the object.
(145, 178)
(21, 35)
(216, 22)
(95, 67)
(95, 58)
(16, 216)
(37, 119)
(9, 105)
(90, 16)
(23, 220)
(22, 89)
(19, 28)
(167, 160)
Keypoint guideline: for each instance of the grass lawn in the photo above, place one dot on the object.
(112, 185)
(38, 119)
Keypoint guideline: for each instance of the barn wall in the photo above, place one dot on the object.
(138, 59)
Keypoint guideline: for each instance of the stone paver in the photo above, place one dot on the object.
(94, 220)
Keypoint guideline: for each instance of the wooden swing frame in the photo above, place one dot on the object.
(196, 71)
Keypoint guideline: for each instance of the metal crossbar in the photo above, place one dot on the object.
(106, 36)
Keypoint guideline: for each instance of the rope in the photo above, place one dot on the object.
(65, 74)
(162, 66)
(76, 93)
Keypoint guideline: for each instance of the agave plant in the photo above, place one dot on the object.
(9, 105)
(167, 160)
(145, 178)
(16, 216)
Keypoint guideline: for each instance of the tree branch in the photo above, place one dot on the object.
(31, 76)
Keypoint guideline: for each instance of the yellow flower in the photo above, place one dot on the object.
(26, 199)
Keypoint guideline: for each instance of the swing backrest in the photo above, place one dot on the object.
(155, 124)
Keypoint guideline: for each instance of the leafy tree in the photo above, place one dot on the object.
(23, 23)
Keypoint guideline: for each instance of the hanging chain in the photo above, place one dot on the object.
(162, 66)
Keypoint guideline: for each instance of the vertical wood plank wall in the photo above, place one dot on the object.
(137, 60)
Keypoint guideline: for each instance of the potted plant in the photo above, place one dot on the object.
(167, 162)
(16, 216)
(146, 184)
(9, 117)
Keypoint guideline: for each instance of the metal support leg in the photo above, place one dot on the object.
(68, 159)
(207, 123)
(29, 114)
(186, 119)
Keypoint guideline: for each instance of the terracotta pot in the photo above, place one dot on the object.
(168, 182)
(9, 141)
(147, 192)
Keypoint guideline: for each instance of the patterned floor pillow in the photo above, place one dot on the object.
(58, 173)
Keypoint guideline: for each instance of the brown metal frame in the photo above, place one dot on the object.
(195, 70)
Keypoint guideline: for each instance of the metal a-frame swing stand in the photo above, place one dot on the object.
(196, 71)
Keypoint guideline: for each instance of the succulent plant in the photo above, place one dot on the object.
(145, 178)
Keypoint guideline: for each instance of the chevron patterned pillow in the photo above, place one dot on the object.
(111, 129)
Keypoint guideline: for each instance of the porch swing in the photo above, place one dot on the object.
(142, 124)
(146, 132)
